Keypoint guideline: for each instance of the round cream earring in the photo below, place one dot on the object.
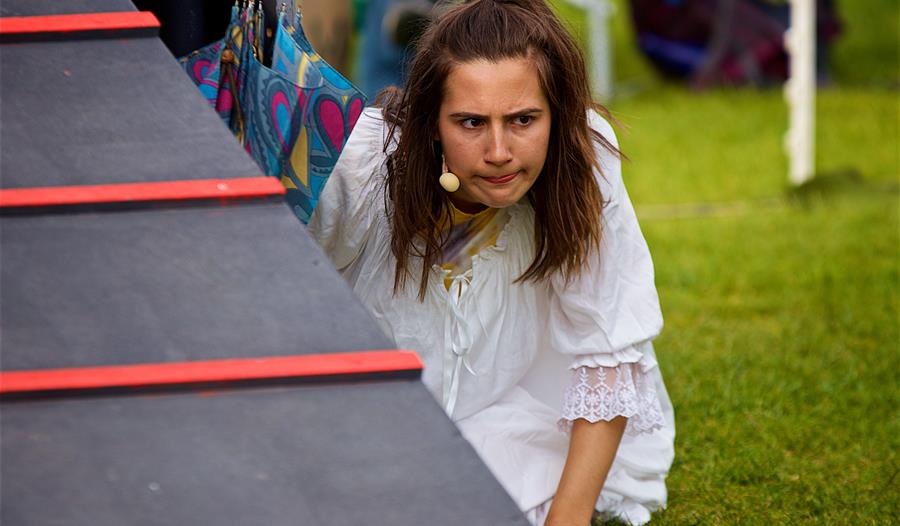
(448, 180)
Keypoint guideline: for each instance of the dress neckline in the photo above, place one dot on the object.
(457, 216)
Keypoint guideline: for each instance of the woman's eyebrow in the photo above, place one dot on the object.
(513, 115)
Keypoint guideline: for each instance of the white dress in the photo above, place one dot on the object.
(512, 363)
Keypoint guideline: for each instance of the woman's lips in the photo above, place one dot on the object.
(501, 179)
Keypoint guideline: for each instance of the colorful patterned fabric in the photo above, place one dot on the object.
(217, 79)
(274, 104)
(204, 66)
(293, 118)
(335, 106)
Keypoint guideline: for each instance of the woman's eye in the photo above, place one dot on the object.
(470, 123)
(524, 120)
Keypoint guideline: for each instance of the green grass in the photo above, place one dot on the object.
(782, 343)
(728, 145)
(780, 354)
(868, 52)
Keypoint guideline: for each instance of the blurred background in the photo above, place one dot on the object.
(782, 302)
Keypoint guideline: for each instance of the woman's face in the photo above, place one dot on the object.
(494, 127)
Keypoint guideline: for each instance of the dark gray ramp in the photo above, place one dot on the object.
(171, 285)
(103, 111)
(180, 285)
(368, 454)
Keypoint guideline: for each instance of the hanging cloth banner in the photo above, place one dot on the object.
(335, 106)
(294, 117)
(205, 67)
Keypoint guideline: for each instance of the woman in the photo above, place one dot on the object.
(480, 216)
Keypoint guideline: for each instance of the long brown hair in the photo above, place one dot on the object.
(565, 197)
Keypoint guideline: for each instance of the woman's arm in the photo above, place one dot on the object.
(592, 448)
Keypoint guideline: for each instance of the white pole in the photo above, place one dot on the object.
(598, 13)
(800, 91)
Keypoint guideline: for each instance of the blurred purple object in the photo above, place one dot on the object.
(724, 42)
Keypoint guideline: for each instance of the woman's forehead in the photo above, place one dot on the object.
(493, 88)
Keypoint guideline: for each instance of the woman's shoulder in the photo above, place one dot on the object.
(606, 151)
(365, 152)
(601, 125)
(371, 129)
(351, 201)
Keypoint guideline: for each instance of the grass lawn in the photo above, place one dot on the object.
(780, 354)
(782, 346)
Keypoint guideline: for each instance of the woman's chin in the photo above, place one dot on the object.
(502, 199)
(474, 199)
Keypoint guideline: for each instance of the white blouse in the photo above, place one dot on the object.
(510, 362)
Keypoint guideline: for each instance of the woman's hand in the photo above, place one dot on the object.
(592, 448)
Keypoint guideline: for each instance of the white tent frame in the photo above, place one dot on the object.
(800, 91)
(599, 44)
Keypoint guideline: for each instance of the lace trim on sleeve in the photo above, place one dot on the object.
(603, 393)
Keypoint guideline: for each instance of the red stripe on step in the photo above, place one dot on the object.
(205, 372)
(18, 25)
(248, 187)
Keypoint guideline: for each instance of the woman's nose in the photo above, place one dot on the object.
(498, 148)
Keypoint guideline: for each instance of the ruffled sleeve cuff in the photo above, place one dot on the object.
(630, 354)
(604, 393)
